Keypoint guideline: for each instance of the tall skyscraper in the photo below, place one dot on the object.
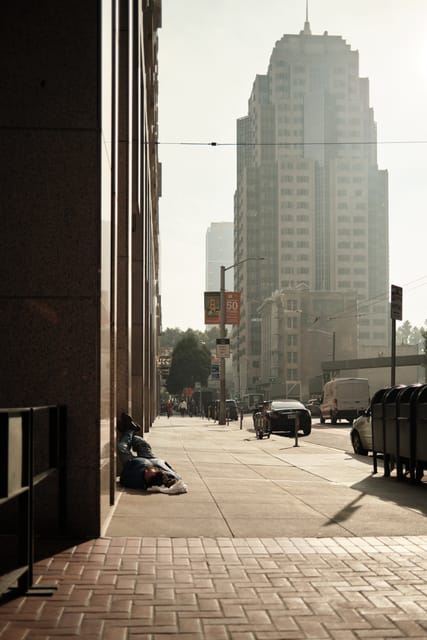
(219, 252)
(310, 198)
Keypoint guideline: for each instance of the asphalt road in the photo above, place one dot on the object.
(336, 437)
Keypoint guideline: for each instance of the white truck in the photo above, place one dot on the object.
(344, 399)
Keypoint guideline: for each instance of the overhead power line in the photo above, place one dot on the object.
(285, 144)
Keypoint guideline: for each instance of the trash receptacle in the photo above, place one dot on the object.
(377, 424)
(420, 440)
(390, 428)
(405, 406)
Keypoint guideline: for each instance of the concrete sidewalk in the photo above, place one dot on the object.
(239, 486)
(271, 542)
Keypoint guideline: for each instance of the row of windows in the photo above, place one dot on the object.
(348, 179)
(344, 231)
(298, 270)
(300, 257)
(344, 166)
(300, 217)
(292, 374)
(345, 271)
(299, 231)
(294, 165)
(291, 192)
(289, 132)
(349, 219)
(300, 244)
(346, 258)
(288, 204)
(345, 205)
(287, 120)
(347, 284)
(290, 178)
(349, 245)
(344, 192)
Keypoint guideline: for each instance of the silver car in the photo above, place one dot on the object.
(361, 434)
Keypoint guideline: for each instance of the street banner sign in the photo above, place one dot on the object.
(212, 307)
(396, 302)
(232, 307)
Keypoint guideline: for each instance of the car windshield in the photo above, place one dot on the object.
(278, 405)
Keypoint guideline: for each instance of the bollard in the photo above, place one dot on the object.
(241, 419)
(296, 427)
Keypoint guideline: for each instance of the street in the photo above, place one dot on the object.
(336, 437)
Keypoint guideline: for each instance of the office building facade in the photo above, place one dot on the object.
(310, 198)
(79, 294)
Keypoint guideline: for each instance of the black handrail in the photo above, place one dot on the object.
(18, 480)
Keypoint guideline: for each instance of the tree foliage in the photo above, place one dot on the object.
(408, 334)
(191, 363)
(171, 336)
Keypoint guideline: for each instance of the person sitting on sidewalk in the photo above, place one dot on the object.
(141, 468)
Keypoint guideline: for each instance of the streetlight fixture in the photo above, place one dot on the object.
(222, 335)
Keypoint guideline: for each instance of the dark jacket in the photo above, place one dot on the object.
(132, 475)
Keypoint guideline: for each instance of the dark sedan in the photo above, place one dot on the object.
(283, 414)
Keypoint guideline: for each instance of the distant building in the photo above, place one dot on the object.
(300, 329)
(219, 252)
(310, 198)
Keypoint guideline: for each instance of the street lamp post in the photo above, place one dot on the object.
(221, 416)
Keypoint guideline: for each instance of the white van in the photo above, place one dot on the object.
(344, 399)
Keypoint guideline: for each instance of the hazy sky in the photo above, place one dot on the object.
(209, 54)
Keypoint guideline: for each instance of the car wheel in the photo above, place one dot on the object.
(306, 431)
(322, 420)
(357, 445)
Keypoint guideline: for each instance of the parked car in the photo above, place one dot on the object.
(361, 434)
(280, 417)
(313, 405)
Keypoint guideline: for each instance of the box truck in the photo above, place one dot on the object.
(344, 399)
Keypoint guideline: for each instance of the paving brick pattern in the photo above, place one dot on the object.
(228, 589)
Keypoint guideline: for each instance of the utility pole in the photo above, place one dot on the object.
(221, 416)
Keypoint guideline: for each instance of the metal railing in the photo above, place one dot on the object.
(20, 475)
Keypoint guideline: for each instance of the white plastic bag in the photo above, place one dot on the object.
(178, 487)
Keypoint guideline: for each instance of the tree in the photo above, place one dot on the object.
(170, 338)
(403, 332)
(191, 363)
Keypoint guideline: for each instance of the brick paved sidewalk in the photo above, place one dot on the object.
(358, 576)
(228, 589)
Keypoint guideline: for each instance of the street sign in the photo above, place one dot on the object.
(223, 347)
(396, 302)
(215, 371)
